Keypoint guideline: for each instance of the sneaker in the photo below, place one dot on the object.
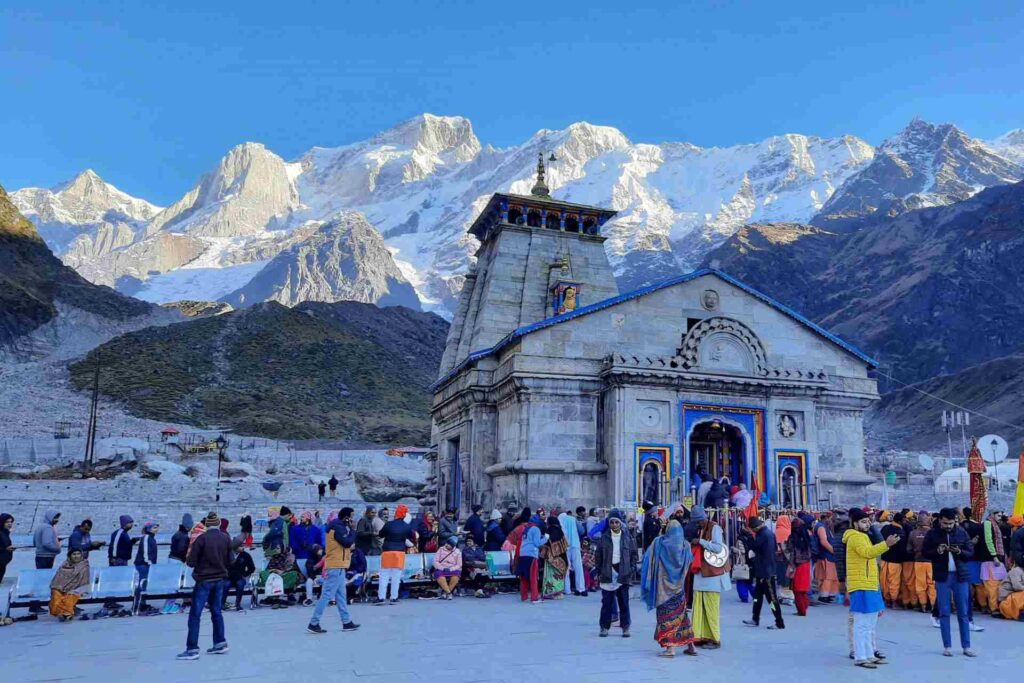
(534, 602)
(976, 628)
(968, 652)
(751, 622)
(935, 623)
(947, 652)
(350, 626)
(394, 601)
(625, 633)
(188, 655)
(219, 649)
(603, 633)
(879, 655)
(316, 628)
(307, 602)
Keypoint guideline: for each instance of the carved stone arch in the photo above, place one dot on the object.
(736, 345)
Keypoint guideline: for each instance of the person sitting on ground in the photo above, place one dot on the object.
(242, 567)
(474, 566)
(448, 566)
(314, 569)
(68, 585)
(494, 536)
(1011, 595)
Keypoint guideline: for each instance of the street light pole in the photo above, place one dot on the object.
(221, 445)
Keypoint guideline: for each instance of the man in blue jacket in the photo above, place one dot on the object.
(119, 554)
(475, 526)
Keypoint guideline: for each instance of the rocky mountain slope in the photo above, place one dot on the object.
(85, 217)
(909, 419)
(39, 294)
(928, 292)
(345, 371)
(344, 259)
(924, 165)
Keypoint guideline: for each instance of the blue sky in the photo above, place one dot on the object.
(151, 97)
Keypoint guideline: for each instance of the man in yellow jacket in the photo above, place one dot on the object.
(862, 585)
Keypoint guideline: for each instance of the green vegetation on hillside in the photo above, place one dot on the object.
(281, 373)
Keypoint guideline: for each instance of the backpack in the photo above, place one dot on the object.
(274, 586)
(815, 543)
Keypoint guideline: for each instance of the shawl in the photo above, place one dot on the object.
(71, 577)
(282, 562)
(666, 562)
(554, 553)
(783, 528)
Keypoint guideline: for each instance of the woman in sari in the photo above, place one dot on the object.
(68, 585)
(555, 561)
(798, 558)
(663, 575)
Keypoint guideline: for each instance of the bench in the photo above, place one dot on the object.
(32, 586)
(111, 584)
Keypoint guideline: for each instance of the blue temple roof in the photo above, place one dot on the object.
(643, 291)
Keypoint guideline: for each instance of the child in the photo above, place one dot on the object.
(314, 572)
(68, 585)
(355, 575)
(240, 570)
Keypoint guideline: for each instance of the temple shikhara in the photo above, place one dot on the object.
(556, 387)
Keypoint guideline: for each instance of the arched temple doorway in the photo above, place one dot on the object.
(717, 450)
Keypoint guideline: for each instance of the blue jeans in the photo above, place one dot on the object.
(957, 591)
(333, 589)
(212, 593)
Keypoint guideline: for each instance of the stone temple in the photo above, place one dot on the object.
(555, 388)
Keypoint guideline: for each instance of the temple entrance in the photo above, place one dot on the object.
(716, 451)
(652, 474)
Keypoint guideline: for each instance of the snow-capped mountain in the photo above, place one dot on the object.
(1010, 145)
(421, 183)
(85, 215)
(923, 165)
(344, 259)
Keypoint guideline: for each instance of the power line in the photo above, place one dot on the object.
(949, 403)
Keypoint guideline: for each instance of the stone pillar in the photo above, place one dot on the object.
(561, 221)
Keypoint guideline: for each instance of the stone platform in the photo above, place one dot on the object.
(492, 640)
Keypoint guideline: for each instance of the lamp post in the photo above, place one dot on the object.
(222, 443)
(995, 463)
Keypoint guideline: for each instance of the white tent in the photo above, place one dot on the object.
(957, 479)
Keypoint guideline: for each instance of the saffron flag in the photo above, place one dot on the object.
(751, 510)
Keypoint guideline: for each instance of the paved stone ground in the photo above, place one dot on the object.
(499, 639)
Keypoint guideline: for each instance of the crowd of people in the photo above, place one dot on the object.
(949, 563)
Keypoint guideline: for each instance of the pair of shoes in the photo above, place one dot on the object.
(218, 649)
(188, 655)
(315, 628)
(976, 628)
(603, 633)
(350, 626)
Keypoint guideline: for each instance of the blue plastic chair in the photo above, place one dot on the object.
(428, 563)
(413, 567)
(116, 583)
(33, 585)
(499, 563)
(164, 579)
